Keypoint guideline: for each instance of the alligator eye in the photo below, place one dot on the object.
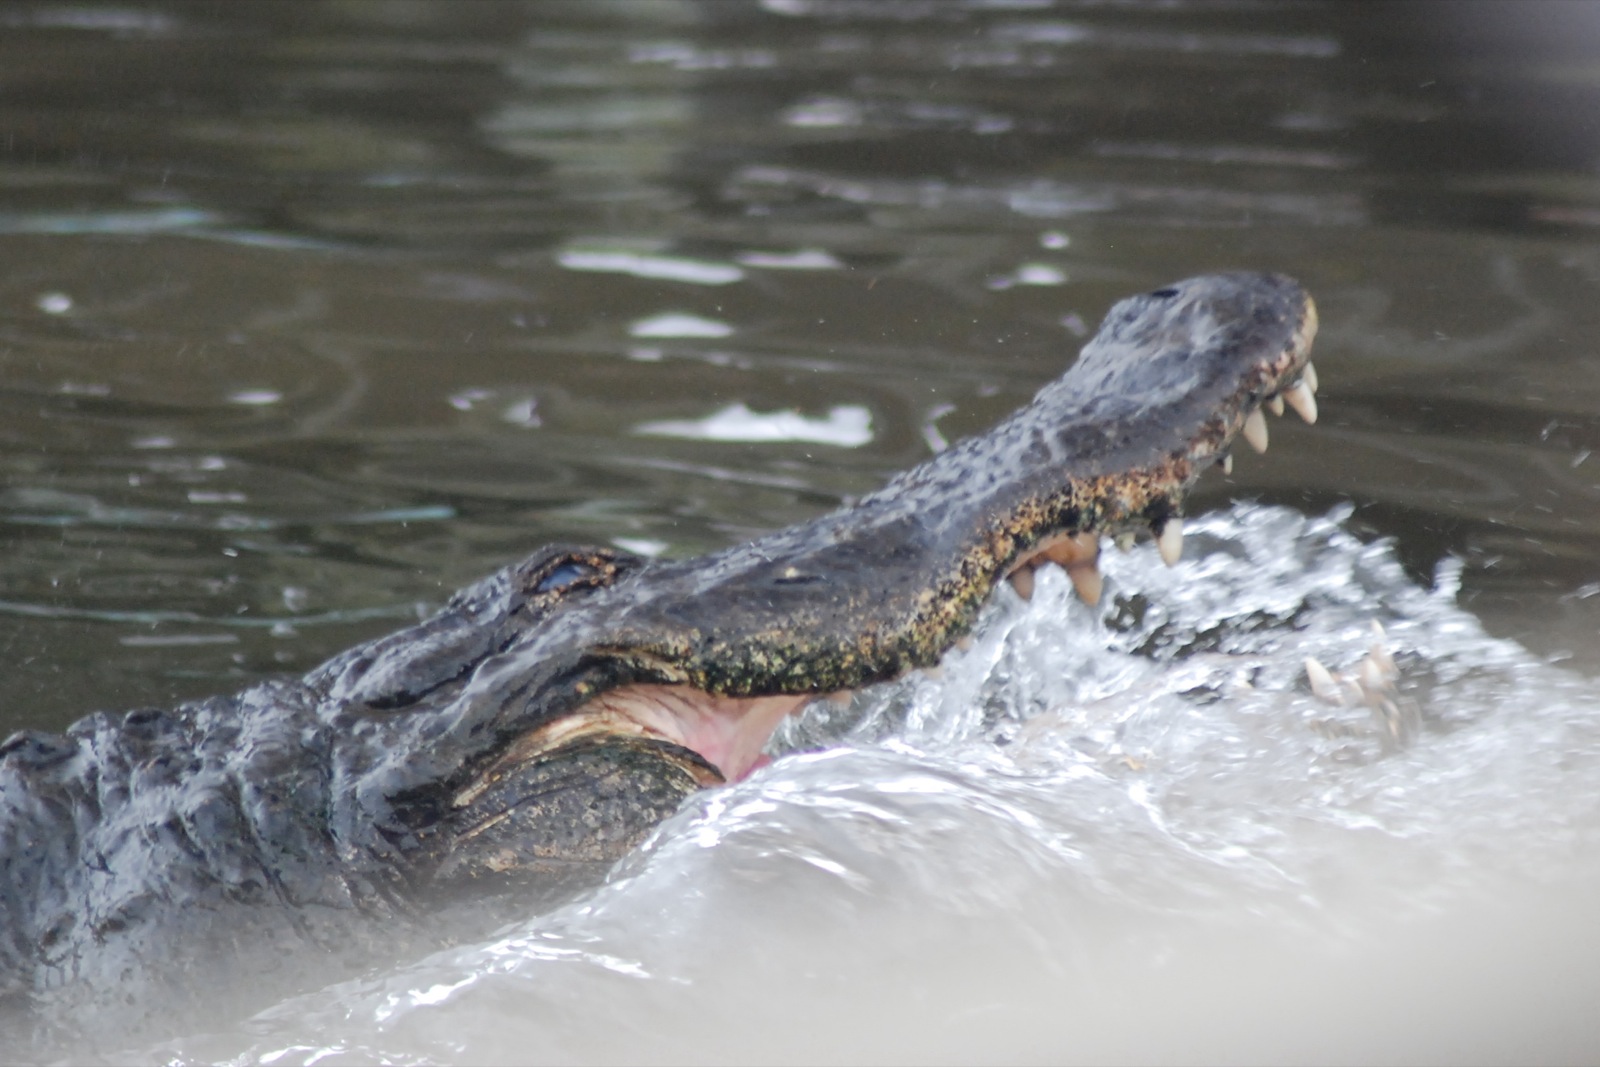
(1165, 294)
(564, 575)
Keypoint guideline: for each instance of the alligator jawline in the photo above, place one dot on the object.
(730, 733)
(671, 702)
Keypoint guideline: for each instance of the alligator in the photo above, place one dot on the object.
(514, 745)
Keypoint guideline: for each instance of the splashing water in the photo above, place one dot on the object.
(1128, 832)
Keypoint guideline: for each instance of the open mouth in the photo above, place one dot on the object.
(1105, 452)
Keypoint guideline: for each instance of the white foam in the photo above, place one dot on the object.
(845, 425)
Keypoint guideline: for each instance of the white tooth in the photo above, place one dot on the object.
(1309, 377)
(964, 642)
(1275, 405)
(1227, 463)
(1022, 582)
(1322, 684)
(935, 672)
(1125, 542)
(1170, 541)
(1372, 679)
(840, 698)
(1300, 398)
(1087, 581)
(1255, 430)
(1386, 664)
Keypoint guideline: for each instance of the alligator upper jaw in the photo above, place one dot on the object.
(708, 655)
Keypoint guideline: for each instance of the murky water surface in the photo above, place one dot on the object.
(312, 313)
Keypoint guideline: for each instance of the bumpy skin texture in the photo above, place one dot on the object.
(346, 812)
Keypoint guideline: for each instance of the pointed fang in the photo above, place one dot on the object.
(1170, 542)
(965, 642)
(1308, 377)
(1323, 687)
(1255, 430)
(1372, 679)
(1124, 542)
(1087, 581)
(1022, 582)
(1227, 463)
(1275, 405)
(1300, 398)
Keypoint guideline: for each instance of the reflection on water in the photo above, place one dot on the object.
(315, 312)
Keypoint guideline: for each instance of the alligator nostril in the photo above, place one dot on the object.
(1165, 294)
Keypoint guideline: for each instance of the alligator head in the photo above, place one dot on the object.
(554, 713)
(573, 701)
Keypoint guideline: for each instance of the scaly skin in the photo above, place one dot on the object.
(554, 713)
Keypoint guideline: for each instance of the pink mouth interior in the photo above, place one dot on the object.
(728, 732)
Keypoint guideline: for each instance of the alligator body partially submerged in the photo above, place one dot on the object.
(546, 720)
